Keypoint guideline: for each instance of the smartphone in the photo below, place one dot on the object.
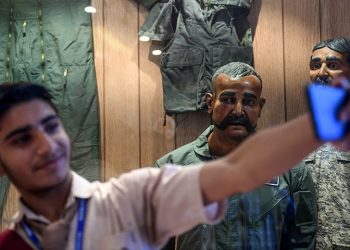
(325, 103)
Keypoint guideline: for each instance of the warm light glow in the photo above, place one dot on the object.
(144, 38)
(156, 52)
(90, 9)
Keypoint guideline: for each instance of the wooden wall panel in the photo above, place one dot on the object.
(189, 126)
(301, 32)
(335, 18)
(98, 40)
(266, 15)
(121, 95)
(10, 207)
(155, 138)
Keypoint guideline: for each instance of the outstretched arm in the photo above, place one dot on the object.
(265, 155)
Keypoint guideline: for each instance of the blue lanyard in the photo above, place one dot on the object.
(80, 228)
(79, 236)
(31, 235)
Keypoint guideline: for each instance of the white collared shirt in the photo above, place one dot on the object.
(138, 210)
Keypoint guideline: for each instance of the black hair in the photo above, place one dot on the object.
(12, 94)
(339, 44)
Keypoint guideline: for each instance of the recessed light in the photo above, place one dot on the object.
(90, 9)
(156, 52)
(144, 38)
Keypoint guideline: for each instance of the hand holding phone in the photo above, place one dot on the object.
(325, 103)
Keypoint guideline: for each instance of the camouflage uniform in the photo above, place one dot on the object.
(330, 170)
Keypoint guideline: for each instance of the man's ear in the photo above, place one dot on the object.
(261, 104)
(209, 102)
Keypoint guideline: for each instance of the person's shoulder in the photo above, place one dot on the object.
(193, 152)
(299, 177)
(298, 168)
(299, 172)
(325, 151)
(183, 155)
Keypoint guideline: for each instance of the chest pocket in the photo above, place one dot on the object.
(274, 203)
(305, 211)
(343, 174)
(182, 70)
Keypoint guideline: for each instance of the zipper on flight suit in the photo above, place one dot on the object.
(42, 48)
(65, 73)
(24, 28)
(243, 220)
(23, 38)
(9, 45)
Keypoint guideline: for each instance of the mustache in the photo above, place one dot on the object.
(323, 80)
(236, 120)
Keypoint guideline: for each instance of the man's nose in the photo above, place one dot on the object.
(238, 109)
(45, 144)
(323, 70)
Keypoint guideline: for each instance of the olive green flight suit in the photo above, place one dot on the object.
(200, 36)
(49, 42)
(281, 214)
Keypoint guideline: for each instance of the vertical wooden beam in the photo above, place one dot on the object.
(98, 40)
(301, 32)
(155, 138)
(121, 86)
(267, 20)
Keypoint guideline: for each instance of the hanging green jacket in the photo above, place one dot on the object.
(49, 42)
(200, 36)
(281, 214)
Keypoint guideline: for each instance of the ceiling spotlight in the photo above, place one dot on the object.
(156, 52)
(144, 38)
(90, 9)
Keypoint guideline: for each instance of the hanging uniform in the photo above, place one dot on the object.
(49, 42)
(200, 36)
